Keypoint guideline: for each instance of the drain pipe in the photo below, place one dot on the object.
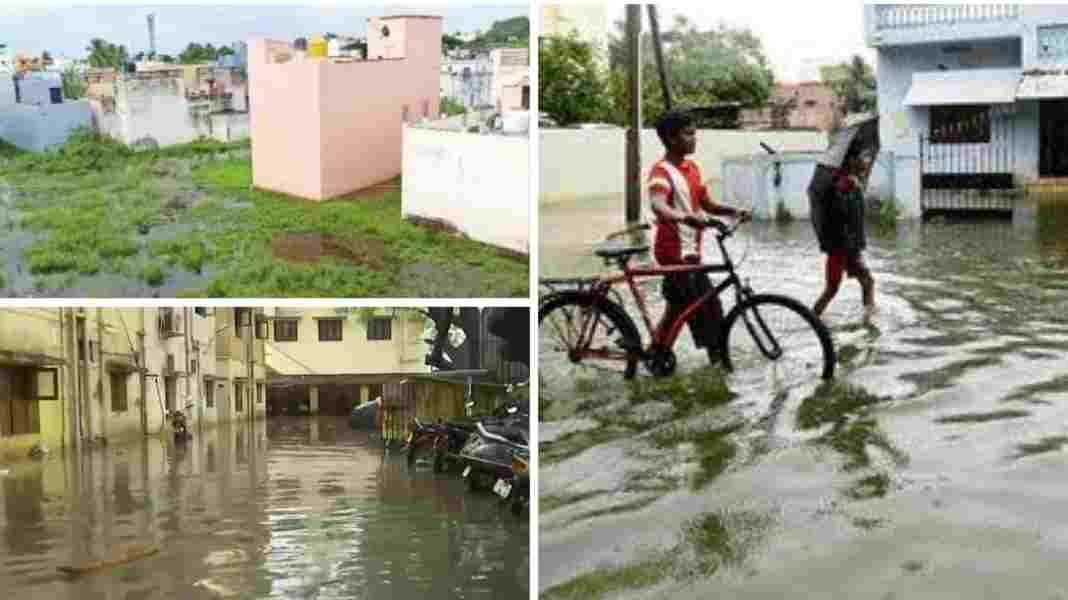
(104, 410)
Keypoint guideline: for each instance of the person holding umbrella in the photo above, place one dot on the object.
(837, 197)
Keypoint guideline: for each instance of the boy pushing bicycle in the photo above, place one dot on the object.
(680, 202)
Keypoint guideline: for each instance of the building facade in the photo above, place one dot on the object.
(511, 78)
(34, 114)
(76, 376)
(971, 96)
(815, 107)
(325, 361)
(325, 127)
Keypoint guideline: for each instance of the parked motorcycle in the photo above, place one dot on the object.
(517, 491)
(489, 451)
(421, 438)
(179, 426)
(453, 435)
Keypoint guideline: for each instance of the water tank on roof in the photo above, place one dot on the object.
(317, 47)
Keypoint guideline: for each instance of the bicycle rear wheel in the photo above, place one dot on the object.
(585, 337)
(779, 335)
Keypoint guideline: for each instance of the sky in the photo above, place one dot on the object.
(796, 35)
(66, 30)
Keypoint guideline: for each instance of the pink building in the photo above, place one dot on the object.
(324, 127)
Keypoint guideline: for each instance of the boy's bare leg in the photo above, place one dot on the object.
(867, 287)
(825, 298)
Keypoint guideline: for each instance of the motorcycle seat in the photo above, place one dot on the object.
(512, 434)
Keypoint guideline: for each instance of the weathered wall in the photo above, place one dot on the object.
(7, 89)
(156, 111)
(37, 89)
(354, 354)
(34, 331)
(476, 182)
(37, 128)
(577, 163)
(230, 126)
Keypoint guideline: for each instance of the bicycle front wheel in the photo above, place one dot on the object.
(585, 337)
(781, 336)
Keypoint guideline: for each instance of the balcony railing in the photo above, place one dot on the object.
(903, 16)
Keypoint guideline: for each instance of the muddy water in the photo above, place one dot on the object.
(291, 508)
(931, 468)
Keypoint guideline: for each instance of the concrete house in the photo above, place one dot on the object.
(326, 361)
(71, 376)
(162, 105)
(972, 97)
(34, 114)
(324, 127)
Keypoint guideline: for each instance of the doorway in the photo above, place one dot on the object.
(1053, 138)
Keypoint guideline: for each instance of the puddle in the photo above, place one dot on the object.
(311, 248)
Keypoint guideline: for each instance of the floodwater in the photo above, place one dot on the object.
(294, 507)
(932, 467)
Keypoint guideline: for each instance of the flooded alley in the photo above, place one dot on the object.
(291, 507)
(929, 467)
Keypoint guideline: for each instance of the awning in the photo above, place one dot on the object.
(1039, 85)
(968, 86)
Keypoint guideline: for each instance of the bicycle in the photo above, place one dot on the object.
(592, 306)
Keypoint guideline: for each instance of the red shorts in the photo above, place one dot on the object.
(844, 262)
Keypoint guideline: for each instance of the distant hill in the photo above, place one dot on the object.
(509, 32)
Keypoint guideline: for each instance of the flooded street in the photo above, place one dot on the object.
(931, 467)
(294, 507)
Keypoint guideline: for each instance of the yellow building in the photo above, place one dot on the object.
(73, 376)
(325, 361)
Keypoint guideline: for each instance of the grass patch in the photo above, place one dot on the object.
(549, 503)
(700, 389)
(3, 281)
(602, 582)
(1046, 444)
(868, 523)
(153, 275)
(846, 409)
(715, 449)
(866, 488)
(997, 415)
(724, 538)
(573, 444)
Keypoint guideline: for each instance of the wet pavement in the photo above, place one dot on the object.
(295, 507)
(931, 467)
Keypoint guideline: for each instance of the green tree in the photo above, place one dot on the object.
(509, 33)
(450, 43)
(103, 54)
(195, 53)
(853, 84)
(571, 85)
(74, 85)
(722, 64)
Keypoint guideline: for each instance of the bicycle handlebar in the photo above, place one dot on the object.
(725, 231)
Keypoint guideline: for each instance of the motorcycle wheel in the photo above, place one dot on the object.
(517, 507)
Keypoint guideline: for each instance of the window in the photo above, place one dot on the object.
(193, 366)
(239, 396)
(118, 392)
(526, 97)
(379, 328)
(960, 124)
(241, 319)
(330, 330)
(259, 393)
(19, 414)
(426, 109)
(285, 330)
(56, 95)
(404, 114)
(810, 103)
(209, 393)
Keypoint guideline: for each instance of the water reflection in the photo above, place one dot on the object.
(256, 511)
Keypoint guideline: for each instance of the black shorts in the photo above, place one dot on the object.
(682, 289)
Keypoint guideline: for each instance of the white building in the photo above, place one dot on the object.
(971, 96)
(468, 81)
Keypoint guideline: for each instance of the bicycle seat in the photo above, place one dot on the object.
(611, 253)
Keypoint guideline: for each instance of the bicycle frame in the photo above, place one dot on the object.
(631, 276)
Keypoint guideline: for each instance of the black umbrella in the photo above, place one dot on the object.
(859, 137)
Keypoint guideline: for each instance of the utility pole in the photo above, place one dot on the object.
(250, 360)
(633, 168)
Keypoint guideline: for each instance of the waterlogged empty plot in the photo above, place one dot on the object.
(96, 219)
